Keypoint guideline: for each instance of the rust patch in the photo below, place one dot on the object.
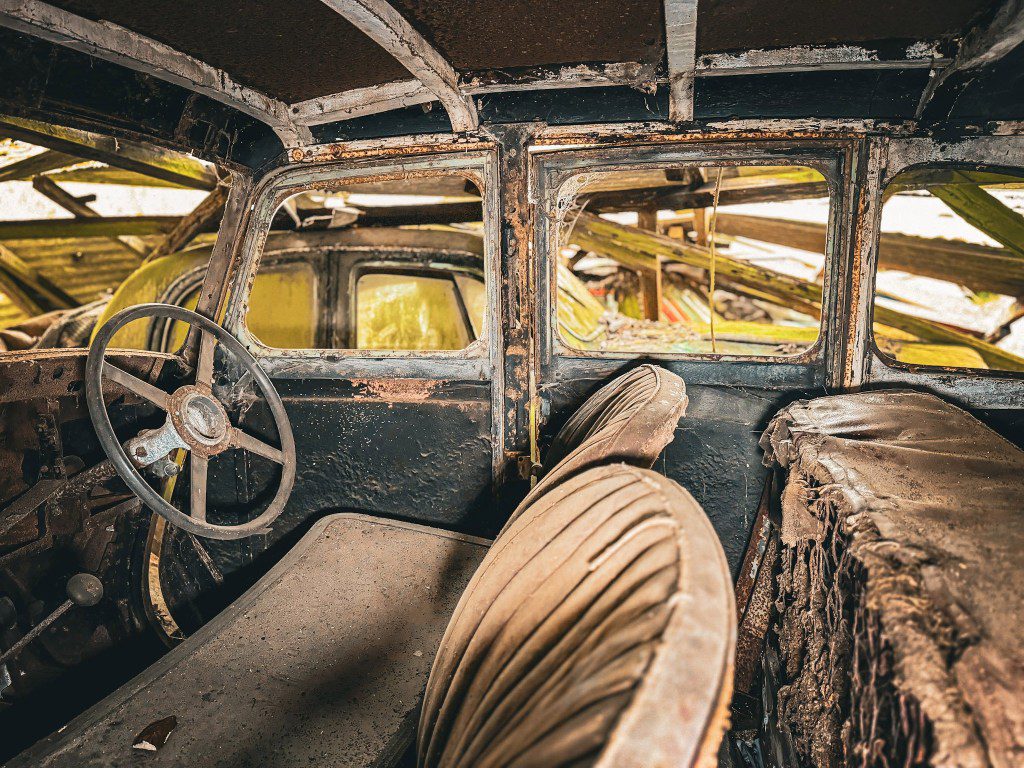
(396, 390)
(633, 137)
(403, 147)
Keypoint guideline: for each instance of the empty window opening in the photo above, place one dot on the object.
(698, 259)
(951, 270)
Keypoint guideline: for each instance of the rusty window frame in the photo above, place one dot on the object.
(557, 165)
(474, 362)
(892, 156)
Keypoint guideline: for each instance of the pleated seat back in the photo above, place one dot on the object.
(598, 630)
(631, 420)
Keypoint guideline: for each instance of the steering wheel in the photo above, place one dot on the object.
(197, 422)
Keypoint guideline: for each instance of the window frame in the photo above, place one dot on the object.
(558, 166)
(974, 387)
(878, 354)
(472, 362)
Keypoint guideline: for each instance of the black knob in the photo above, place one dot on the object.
(85, 590)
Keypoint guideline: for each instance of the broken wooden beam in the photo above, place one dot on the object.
(650, 279)
(637, 249)
(92, 172)
(984, 212)
(49, 189)
(202, 218)
(105, 226)
(18, 295)
(175, 167)
(632, 246)
(38, 163)
(680, 198)
(28, 283)
(978, 267)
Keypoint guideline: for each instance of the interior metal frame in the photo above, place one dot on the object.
(475, 361)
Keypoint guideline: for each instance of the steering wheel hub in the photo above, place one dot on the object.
(200, 420)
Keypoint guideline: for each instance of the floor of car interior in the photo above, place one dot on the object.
(324, 659)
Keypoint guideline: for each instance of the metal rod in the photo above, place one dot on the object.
(35, 632)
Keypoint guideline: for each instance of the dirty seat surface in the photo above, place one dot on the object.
(323, 662)
(905, 511)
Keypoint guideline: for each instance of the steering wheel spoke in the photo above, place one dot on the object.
(137, 386)
(197, 486)
(247, 442)
(204, 366)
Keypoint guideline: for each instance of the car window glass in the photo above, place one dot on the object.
(286, 314)
(292, 287)
(713, 259)
(413, 312)
(950, 276)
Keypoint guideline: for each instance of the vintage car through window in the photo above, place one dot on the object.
(693, 259)
(949, 282)
(390, 265)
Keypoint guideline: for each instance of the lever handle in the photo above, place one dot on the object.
(84, 590)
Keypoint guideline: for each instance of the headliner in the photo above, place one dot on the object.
(217, 76)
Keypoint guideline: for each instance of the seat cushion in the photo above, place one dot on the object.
(323, 661)
(599, 630)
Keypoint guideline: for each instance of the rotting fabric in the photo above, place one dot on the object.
(901, 591)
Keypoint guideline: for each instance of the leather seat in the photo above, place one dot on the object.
(598, 631)
(630, 419)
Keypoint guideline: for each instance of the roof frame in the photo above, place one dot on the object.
(359, 102)
(681, 47)
(984, 45)
(119, 45)
(805, 58)
(383, 24)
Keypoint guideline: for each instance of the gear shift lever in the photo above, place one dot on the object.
(83, 589)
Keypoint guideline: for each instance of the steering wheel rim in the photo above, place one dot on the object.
(182, 406)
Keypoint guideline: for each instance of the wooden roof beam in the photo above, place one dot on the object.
(114, 43)
(205, 216)
(104, 226)
(49, 189)
(175, 167)
(40, 163)
(681, 46)
(26, 282)
(379, 21)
